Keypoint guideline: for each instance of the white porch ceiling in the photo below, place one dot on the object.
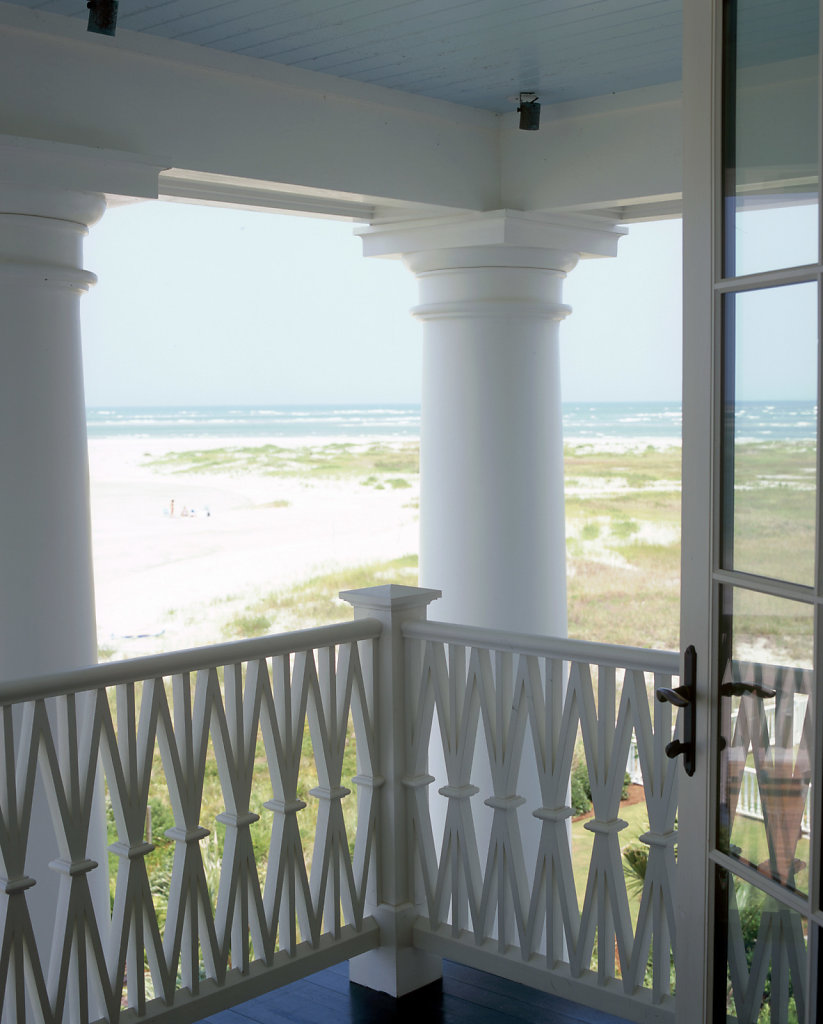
(478, 53)
(474, 52)
(175, 86)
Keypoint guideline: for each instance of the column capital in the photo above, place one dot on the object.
(494, 238)
(503, 264)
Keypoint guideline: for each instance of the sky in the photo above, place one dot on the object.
(208, 306)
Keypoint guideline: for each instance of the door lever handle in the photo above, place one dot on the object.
(683, 697)
(739, 689)
(675, 747)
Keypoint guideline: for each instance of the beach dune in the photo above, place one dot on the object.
(177, 552)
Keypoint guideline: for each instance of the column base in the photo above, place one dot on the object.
(396, 967)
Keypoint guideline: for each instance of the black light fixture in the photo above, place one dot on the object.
(529, 111)
(102, 16)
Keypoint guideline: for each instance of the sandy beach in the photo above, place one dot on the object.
(168, 575)
(203, 538)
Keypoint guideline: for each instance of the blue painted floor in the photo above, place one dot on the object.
(465, 996)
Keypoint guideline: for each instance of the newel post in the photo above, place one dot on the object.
(395, 967)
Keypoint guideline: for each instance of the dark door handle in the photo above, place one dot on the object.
(675, 747)
(683, 697)
(739, 689)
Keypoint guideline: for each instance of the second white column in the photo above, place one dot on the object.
(492, 519)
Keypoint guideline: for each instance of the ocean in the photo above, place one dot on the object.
(582, 421)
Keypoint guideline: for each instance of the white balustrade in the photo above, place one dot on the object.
(633, 768)
(228, 922)
(523, 702)
(766, 776)
(218, 716)
(748, 803)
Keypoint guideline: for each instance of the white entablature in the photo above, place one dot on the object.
(225, 124)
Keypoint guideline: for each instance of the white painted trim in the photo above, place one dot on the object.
(768, 278)
(695, 875)
(639, 659)
(220, 190)
(393, 596)
(491, 309)
(797, 903)
(210, 189)
(485, 956)
(764, 585)
(36, 162)
(242, 985)
(49, 276)
(536, 239)
(664, 208)
(193, 660)
(397, 967)
(815, 982)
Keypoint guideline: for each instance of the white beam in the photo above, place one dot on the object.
(220, 113)
(608, 152)
(221, 190)
(34, 162)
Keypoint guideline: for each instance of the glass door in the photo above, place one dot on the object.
(766, 573)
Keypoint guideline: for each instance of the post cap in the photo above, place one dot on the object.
(391, 595)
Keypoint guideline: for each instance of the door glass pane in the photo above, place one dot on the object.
(771, 131)
(766, 951)
(766, 727)
(770, 432)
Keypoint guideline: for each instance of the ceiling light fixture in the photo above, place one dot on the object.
(102, 16)
(529, 111)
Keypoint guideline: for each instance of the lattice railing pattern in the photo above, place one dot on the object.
(767, 763)
(767, 958)
(237, 710)
(499, 718)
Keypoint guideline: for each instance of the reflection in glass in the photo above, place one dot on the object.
(766, 723)
(770, 445)
(771, 135)
(765, 956)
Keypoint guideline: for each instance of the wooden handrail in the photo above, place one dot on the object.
(637, 658)
(16, 691)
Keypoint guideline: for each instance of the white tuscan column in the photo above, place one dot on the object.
(50, 193)
(49, 196)
(47, 618)
(492, 515)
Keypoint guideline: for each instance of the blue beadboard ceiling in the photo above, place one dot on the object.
(474, 52)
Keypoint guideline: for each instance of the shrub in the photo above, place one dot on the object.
(635, 862)
(580, 789)
(590, 531)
